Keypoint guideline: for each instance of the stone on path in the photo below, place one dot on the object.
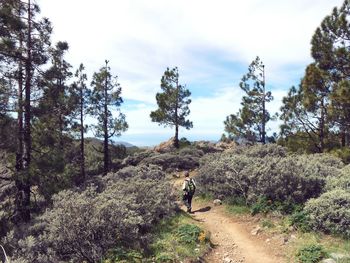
(217, 202)
(256, 231)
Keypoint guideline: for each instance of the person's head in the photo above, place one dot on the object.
(187, 174)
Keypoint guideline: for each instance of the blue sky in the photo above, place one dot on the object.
(211, 42)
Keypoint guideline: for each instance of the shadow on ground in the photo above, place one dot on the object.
(202, 210)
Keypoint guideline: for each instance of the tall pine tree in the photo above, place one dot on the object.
(172, 104)
(105, 105)
(250, 122)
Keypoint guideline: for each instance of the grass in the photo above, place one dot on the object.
(175, 239)
(238, 209)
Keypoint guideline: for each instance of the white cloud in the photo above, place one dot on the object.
(142, 37)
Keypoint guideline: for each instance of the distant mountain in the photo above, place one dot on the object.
(126, 144)
(98, 142)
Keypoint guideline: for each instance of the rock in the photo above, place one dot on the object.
(166, 147)
(328, 260)
(176, 175)
(284, 240)
(268, 240)
(217, 202)
(227, 260)
(293, 237)
(337, 256)
(256, 231)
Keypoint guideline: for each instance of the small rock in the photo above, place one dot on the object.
(176, 175)
(328, 260)
(268, 240)
(337, 256)
(217, 202)
(227, 260)
(293, 237)
(196, 249)
(284, 240)
(256, 231)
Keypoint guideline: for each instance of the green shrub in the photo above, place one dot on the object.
(188, 233)
(342, 153)
(84, 226)
(261, 151)
(284, 180)
(342, 181)
(330, 212)
(311, 254)
(300, 220)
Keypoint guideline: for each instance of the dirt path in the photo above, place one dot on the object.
(232, 237)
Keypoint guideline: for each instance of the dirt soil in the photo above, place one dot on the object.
(232, 235)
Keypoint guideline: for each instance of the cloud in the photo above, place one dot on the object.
(212, 43)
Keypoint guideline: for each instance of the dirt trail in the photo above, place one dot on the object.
(234, 242)
(233, 239)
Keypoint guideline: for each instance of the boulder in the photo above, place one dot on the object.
(166, 147)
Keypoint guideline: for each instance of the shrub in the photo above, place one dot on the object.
(84, 226)
(342, 153)
(282, 180)
(341, 182)
(311, 254)
(330, 212)
(188, 233)
(173, 161)
(300, 220)
(261, 151)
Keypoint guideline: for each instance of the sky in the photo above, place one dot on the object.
(211, 42)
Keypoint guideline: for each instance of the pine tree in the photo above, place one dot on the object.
(105, 105)
(82, 94)
(250, 122)
(172, 104)
(24, 39)
(330, 50)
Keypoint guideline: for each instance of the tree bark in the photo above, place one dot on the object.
(105, 129)
(25, 205)
(263, 140)
(82, 150)
(176, 140)
(322, 126)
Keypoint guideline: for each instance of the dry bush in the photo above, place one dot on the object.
(330, 212)
(83, 226)
(255, 172)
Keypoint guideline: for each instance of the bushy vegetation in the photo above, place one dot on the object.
(84, 226)
(311, 254)
(266, 172)
(184, 159)
(331, 212)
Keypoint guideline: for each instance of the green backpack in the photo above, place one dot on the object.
(191, 188)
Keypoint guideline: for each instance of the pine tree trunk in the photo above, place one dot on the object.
(321, 126)
(342, 139)
(25, 205)
(82, 150)
(19, 154)
(263, 140)
(105, 130)
(176, 140)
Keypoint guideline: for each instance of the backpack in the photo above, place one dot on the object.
(191, 188)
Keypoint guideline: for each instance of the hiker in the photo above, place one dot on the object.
(189, 187)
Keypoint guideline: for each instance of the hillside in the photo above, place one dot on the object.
(267, 207)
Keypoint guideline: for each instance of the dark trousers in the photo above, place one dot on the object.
(187, 198)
